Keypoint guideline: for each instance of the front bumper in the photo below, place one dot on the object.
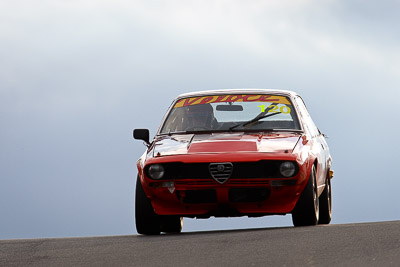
(237, 197)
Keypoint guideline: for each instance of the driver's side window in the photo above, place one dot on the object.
(308, 122)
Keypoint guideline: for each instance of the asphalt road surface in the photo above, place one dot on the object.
(366, 244)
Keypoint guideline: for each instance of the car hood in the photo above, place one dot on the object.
(224, 143)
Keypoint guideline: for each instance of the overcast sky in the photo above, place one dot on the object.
(77, 76)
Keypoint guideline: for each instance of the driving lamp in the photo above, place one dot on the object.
(156, 171)
(287, 168)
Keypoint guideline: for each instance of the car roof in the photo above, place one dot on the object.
(239, 91)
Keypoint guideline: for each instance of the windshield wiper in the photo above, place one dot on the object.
(254, 120)
(189, 132)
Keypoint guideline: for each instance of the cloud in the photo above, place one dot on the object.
(77, 76)
(62, 58)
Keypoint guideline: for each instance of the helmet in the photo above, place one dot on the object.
(200, 115)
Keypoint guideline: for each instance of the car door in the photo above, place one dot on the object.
(318, 144)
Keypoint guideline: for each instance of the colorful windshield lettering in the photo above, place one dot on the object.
(190, 101)
(250, 98)
(266, 98)
(207, 100)
(231, 98)
(221, 98)
(234, 98)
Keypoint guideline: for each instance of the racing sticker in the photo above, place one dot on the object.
(201, 100)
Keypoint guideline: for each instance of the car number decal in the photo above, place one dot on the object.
(274, 108)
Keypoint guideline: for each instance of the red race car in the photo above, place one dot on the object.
(227, 153)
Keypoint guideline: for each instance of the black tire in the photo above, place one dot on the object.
(147, 221)
(171, 224)
(325, 203)
(306, 211)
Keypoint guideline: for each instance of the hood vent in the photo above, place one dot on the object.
(221, 172)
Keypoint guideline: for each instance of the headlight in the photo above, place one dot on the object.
(156, 171)
(287, 168)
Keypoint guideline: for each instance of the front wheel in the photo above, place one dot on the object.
(306, 211)
(325, 202)
(147, 221)
(171, 224)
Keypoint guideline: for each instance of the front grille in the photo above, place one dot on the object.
(241, 170)
(221, 171)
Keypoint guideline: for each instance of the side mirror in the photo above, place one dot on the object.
(321, 133)
(142, 134)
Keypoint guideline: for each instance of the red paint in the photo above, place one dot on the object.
(227, 146)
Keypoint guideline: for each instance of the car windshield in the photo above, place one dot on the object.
(231, 113)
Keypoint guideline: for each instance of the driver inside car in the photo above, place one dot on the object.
(200, 117)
